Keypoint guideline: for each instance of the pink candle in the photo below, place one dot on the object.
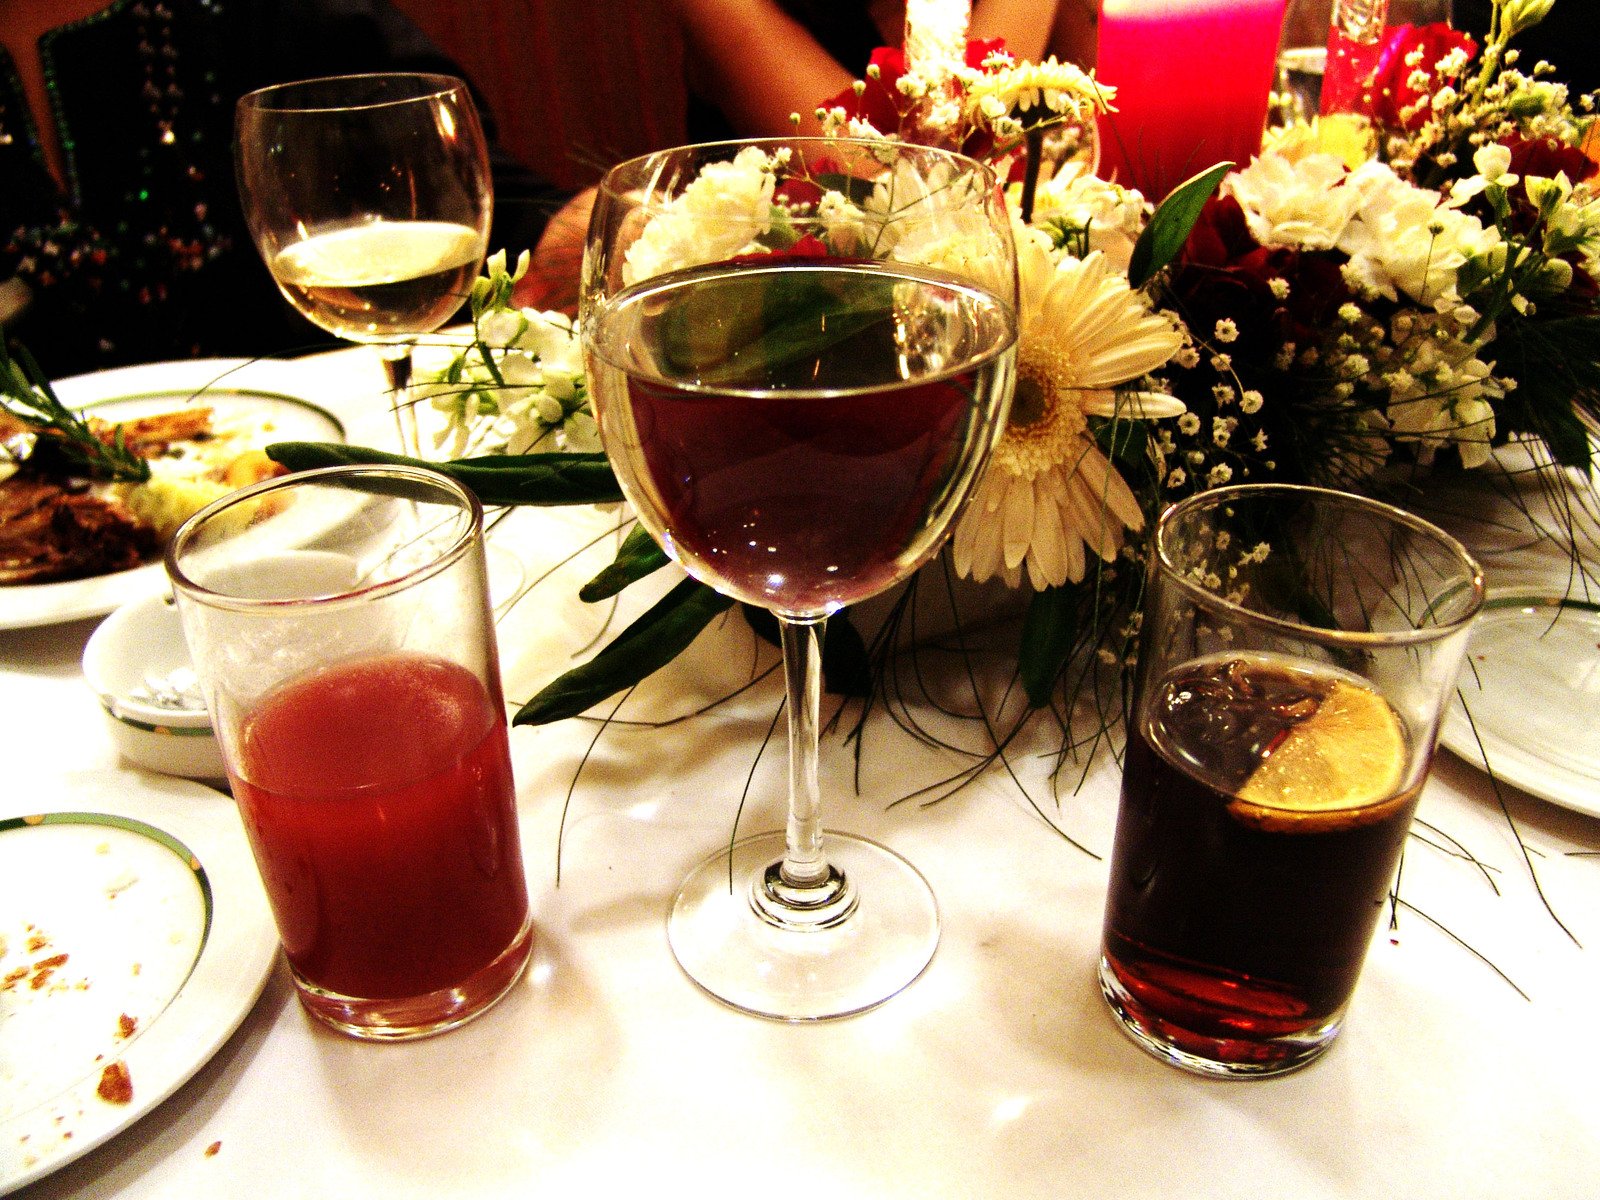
(1192, 80)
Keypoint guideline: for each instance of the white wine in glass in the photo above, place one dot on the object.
(801, 353)
(369, 198)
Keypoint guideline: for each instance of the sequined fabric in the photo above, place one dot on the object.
(121, 264)
(146, 256)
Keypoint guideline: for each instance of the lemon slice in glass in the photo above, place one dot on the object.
(1340, 767)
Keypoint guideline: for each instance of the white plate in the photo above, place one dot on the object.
(1532, 686)
(147, 887)
(282, 392)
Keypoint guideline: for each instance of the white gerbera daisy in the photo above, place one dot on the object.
(1049, 492)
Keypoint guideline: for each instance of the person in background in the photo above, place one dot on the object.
(121, 234)
(751, 64)
(734, 49)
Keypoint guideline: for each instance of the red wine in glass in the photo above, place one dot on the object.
(800, 434)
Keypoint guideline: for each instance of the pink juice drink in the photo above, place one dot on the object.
(1193, 79)
(378, 797)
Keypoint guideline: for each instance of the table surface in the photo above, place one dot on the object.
(998, 1073)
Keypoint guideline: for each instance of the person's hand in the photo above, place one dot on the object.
(553, 274)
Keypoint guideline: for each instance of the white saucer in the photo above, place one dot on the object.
(137, 938)
(1532, 687)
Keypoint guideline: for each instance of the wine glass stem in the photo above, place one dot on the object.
(803, 891)
(397, 368)
(803, 861)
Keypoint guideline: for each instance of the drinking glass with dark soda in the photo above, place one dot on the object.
(1299, 647)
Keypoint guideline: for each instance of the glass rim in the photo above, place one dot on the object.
(447, 557)
(637, 165)
(433, 85)
(1347, 637)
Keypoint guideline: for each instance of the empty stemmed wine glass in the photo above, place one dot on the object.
(369, 198)
(801, 353)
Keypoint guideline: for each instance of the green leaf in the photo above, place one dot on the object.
(1049, 638)
(733, 336)
(1169, 228)
(1567, 438)
(498, 479)
(63, 435)
(638, 556)
(643, 648)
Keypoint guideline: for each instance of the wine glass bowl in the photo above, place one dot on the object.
(801, 353)
(369, 198)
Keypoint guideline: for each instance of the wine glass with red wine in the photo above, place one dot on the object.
(801, 353)
(369, 198)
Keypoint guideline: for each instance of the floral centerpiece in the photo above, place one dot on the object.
(1374, 297)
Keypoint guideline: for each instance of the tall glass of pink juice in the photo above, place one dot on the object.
(340, 623)
(1193, 78)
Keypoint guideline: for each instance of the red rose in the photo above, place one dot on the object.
(1224, 273)
(1220, 234)
(1391, 92)
(979, 49)
(806, 249)
(880, 102)
(1548, 157)
(799, 193)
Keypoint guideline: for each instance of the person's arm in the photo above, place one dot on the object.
(1075, 37)
(1025, 24)
(758, 64)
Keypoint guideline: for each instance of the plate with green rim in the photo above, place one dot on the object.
(134, 939)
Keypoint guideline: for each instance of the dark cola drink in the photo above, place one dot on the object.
(1261, 824)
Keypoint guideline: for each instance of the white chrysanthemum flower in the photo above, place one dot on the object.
(538, 401)
(1443, 395)
(1404, 239)
(1298, 203)
(722, 213)
(842, 220)
(1049, 493)
(932, 219)
(1099, 215)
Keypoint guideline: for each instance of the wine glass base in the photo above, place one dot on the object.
(804, 973)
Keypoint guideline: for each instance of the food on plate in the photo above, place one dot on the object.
(51, 530)
(116, 1084)
(61, 517)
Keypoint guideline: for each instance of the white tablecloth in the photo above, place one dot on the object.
(1467, 1068)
